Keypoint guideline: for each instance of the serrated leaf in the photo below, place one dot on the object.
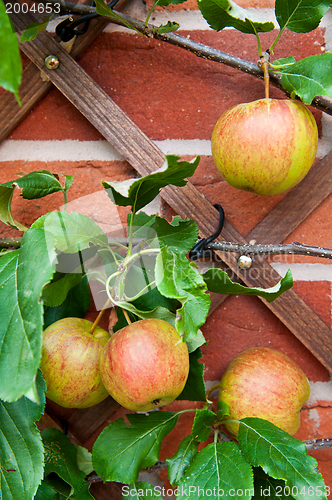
(307, 78)
(32, 29)
(21, 449)
(203, 421)
(141, 491)
(84, 460)
(10, 61)
(61, 458)
(122, 450)
(139, 192)
(226, 13)
(75, 305)
(177, 278)
(266, 486)
(300, 16)
(177, 464)
(179, 237)
(218, 281)
(34, 185)
(23, 274)
(73, 232)
(281, 456)
(56, 292)
(194, 390)
(219, 470)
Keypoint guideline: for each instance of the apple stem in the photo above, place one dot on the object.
(98, 318)
(212, 388)
(264, 63)
(126, 316)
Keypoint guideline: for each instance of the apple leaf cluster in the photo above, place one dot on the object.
(48, 278)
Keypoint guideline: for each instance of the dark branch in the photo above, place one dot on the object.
(199, 49)
(293, 248)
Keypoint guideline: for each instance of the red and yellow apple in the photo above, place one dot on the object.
(145, 365)
(70, 363)
(265, 146)
(264, 383)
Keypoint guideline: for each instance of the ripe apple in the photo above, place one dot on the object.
(264, 383)
(145, 365)
(265, 146)
(70, 363)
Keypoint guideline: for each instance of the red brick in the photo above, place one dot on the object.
(243, 321)
(87, 179)
(192, 5)
(167, 91)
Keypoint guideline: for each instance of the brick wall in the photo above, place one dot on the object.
(176, 98)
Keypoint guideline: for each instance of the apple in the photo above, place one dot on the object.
(265, 146)
(70, 363)
(145, 365)
(264, 383)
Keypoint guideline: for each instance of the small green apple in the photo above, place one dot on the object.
(264, 383)
(265, 146)
(70, 363)
(145, 365)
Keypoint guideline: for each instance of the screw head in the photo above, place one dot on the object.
(244, 262)
(52, 62)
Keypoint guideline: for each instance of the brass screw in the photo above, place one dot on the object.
(52, 62)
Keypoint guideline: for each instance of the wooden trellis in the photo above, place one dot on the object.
(145, 157)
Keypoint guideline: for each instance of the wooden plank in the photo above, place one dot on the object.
(297, 205)
(33, 88)
(145, 157)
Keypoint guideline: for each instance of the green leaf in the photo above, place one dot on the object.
(179, 237)
(34, 185)
(84, 460)
(203, 421)
(139, 192)
(219, 282)
(223, 409)
(141, 491)
(23, 274)
(73, 232)
(21, 449)
(266, 486)
(223, 13)
(194, 390)
(177, 278)
(300, 16)
(158, 312)
(32, 29)
(104, 10)
(307, 78)
(169, 27)
(122, 450)
(178, 463)
(61, 458)
(56, 292)
(75, 305)
(281, 456)
(10, 61)
(218, 471)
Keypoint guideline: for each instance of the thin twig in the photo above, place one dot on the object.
(293, 248)
(199, 49)
(318, 444)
